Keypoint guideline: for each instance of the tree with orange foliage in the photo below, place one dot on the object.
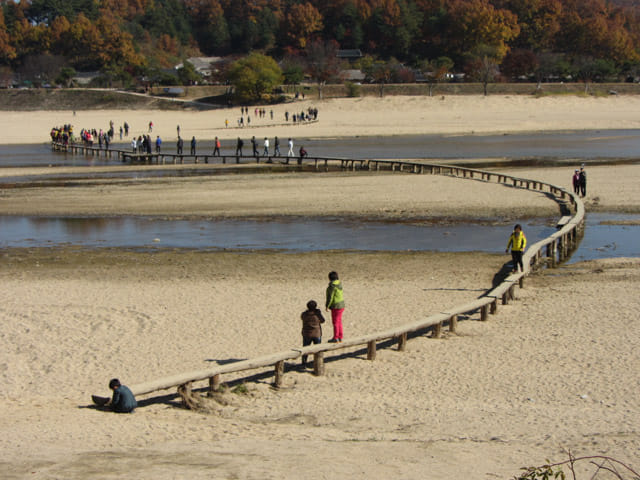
(302, 21)
(476, 22)
(322, 62)
(7, 51)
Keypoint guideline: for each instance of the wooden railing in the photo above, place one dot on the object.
(547, 252)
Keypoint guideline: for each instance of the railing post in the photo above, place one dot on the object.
(402, 342)
(371, 350)
(279, 373)
(437, 330)
(318, 364)
(453, 323)
(484, 313)
(505, 298)
(214, 384)
(184, 391)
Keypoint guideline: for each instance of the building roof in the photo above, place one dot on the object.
(349, 53)
(353, 75)
(202, 65)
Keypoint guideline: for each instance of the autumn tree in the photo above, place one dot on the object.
(322, 62)
(539, 22)
(551, 66)
(476, 23)
(254, 76)
(381, 72)
(518, 63)
(343, 21)
(210, 26)
(302, 22)
(392, 27)
(45, 11)
(482, 65)
(588, 70)
(187, 74)
(7, 51)
(292, 70)
(435, 71)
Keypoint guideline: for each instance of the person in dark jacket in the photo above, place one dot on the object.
(302, 154)
(123, 400)
(312, 321)
(583, 181)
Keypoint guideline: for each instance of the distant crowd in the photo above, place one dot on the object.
(245, 118)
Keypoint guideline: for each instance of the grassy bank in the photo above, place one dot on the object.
(89, 99)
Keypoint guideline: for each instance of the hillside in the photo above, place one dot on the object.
(81, 99)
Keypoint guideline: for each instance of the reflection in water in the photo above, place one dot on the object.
(303, 235)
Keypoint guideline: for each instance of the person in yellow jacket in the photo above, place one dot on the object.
(517, 242)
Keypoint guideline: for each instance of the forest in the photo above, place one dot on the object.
(125, 40)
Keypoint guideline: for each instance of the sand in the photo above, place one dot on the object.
(365, 116)
(556, 369)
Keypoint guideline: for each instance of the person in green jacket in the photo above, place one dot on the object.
(517, 242)
(335, 303)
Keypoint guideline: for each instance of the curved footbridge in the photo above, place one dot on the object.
(547, 252)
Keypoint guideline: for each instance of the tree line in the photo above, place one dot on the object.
(50, 40)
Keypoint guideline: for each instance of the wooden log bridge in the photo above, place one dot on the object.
(548, 252)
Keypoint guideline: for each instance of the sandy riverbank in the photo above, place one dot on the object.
(380, 196)
(397, 115)
(557, 368)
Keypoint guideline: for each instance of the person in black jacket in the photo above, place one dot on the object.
(583, 182)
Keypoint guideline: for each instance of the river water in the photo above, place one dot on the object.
(301, 235)
(589, 145)
(304, 235)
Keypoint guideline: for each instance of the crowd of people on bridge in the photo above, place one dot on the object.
(144, 144)
(63, 135)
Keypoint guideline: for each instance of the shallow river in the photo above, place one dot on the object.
(301, 235)
(528, 147)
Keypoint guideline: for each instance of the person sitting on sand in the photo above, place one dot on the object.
(123, 400)
(312, 321)
(517, 242)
